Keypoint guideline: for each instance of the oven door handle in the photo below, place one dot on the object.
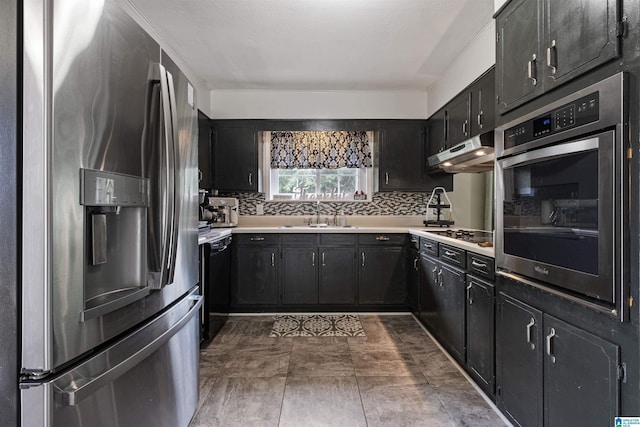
(552, 152)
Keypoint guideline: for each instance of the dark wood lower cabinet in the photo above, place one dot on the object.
(480, 332)
(519, 361)
(256, 275)
(450, 303)
(337, 275)
(382, 276)
(581, 385)
(428, 287)
(413, 280)
(299, 275)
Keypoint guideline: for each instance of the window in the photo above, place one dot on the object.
(299, 184)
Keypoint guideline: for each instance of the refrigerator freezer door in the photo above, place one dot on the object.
(91, 99)
(149, 377)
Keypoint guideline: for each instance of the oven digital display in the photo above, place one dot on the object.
(542, 126)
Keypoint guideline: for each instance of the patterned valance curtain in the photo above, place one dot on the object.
(320, 150)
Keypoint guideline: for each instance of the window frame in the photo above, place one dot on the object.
(270, 176)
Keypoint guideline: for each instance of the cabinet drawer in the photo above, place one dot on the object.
(452, 255)
(428, 247)
(299, 239)
(382, 239)
(481, 265)
(414, 242)
(329, 239)
(257, 239)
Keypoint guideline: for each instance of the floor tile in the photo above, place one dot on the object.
(256, 362)
(378, 360)
(401, 402)
(241, 402)
(330, 360)
(468, 408)
(322, 401)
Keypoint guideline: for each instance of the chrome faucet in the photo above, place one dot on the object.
(318, 212)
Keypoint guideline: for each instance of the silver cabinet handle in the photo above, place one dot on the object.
(551, 57)
(549, 345)
(529, 326)
(428, 246)
(464, 127)
(363, 259)
(382, 238)
(313, 259)
(386, 177)
(478, 264)
(531, 70)
(450, 253)
(433, 274)
(469, 293)
(415, 264)
(250, 178)
(323, 264)
(273, 259)
(257, 239)
(440, 277)
(480, 116)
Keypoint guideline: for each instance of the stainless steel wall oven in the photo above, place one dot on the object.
(560, 194)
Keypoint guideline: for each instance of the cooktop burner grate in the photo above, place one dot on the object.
(471, 236)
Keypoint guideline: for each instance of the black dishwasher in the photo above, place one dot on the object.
(216, 287)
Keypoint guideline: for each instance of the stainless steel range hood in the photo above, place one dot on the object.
(472, 155)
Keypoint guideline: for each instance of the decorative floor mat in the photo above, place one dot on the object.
(317, 325)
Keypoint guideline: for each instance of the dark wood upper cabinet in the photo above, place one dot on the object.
(235, 157)
(402, 156)
(205, 155)
(483, 104)
(541, 44)
(518, 60)
(458, 112)
(437, 132)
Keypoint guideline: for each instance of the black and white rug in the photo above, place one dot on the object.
(317, 325)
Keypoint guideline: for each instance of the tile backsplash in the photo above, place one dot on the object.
(398, 204)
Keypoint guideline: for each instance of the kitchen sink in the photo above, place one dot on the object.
(322, 226)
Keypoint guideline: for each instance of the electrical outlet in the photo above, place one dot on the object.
(259, 209)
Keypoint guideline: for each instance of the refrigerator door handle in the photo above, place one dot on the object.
(75, 393)
(174, 188)
(163, 212)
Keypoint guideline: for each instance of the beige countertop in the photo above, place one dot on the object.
(412, 229)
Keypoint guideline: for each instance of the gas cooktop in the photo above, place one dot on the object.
(471, 236)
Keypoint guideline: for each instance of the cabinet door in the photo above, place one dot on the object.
(413, 281)
(256, 273)
(235, 158)
(402, 157)
(299, 275)
(451, 309)
(580, 35)
(458, 123)
(518, 61)
(382, 276)
(429, 290)
(480, 331)
(205, 155)
(483, 103)
(519, 361)
(337, 275)
(581, 385)
(436, 132)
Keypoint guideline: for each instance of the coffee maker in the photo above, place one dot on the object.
(224, 211)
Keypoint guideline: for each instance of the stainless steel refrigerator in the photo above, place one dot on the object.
(109, 303)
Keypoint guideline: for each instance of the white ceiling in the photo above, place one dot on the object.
(317, 44)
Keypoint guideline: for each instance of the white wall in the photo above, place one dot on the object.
(203, 97)
(475, 59)
(346, 104)
(498, 4)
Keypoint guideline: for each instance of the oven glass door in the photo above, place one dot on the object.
(557, 215)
